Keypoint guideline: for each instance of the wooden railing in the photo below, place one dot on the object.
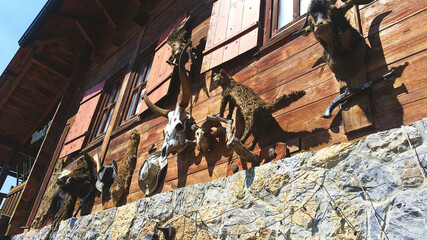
(12, 199)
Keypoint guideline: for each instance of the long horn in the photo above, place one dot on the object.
(185, 92)
(154, 108)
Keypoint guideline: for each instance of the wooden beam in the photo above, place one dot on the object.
(107, 14)
(74, 17)
(85, 34)
(7, 143)
(5, 169)
(11, 73)
(11, 85)
(48, 41)
(48, 68)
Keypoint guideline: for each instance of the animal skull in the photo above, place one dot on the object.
(175, 136)
(175, 132)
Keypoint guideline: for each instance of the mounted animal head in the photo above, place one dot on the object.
(344, 46)
(78, 177)
(206, 134)
(330, 26)
(179, 121)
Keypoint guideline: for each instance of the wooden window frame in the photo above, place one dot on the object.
(147, 60)
(113, 86)
(273, 35)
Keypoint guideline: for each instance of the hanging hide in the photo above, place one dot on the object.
(121, 184)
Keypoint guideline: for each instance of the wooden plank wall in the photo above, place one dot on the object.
(395, 32)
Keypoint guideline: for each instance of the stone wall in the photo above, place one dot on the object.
(369, 189)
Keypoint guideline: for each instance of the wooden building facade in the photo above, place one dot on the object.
(83, 65)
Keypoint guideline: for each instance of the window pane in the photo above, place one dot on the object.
(132, 104)
(139, 104)
(110, 98)
(285, 14)
(101, 124)
(141, 74)
(148, 70)
(117, 92)
(303, 6)
(108, 120)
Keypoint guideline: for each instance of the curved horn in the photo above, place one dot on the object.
(185, 92)
(305, 29)
(154, 108)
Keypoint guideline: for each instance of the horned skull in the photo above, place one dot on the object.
(179, 122)
(175, 132)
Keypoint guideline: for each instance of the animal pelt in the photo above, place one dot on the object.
(255, 111)
(79, 180)
(74, 181)
(51, 190)
(344, 47)
(121, 184)
(177, 39)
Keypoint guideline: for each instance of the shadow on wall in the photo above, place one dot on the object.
(389, 106)
(384, 102)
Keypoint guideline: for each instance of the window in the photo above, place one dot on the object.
(284, 17)
(107, 108)
(139, 83)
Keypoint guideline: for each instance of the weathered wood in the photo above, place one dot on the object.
(290, 67)
(107, 14)
(47, 148)
(85, 33)
(47, 67)
(119, 103)
(13, 84)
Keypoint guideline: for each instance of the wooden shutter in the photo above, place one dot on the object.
(81, 124)
(159, 80)
(233, 30)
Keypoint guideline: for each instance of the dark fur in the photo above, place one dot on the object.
(334, 33)
(121, 184)
(75, 184)
(253, 108)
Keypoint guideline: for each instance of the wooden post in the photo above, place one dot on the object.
(6, 167)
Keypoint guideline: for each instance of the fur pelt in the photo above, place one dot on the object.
(255, 111)
(74, 181)
(121, 184)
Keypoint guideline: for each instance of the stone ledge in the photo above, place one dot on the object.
(332, 193)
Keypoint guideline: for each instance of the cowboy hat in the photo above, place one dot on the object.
(149, 172)
(106, 177)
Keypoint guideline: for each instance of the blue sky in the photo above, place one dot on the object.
(15, 17)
